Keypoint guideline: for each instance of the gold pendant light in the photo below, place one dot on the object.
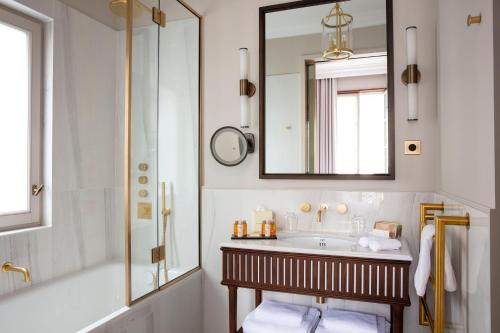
(337, 34)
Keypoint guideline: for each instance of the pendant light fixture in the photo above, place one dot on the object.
(337, 34)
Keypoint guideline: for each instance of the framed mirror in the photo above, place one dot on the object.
(327, 90)
(230, 146)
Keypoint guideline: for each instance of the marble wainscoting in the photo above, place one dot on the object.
(177, 309)
(221, 207)
(85, 198)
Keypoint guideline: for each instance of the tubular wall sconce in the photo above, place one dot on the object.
(247, 89)
(411, 75)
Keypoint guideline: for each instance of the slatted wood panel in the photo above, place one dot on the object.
(381, 281)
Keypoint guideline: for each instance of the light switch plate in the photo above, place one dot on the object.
(413, 147)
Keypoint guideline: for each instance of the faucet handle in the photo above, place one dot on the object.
(323, 207)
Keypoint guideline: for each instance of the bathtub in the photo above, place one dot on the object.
(79, 302)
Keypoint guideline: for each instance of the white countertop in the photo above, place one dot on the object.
(283, 244)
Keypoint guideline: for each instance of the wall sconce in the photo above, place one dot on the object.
(247, 89)
(411, 75)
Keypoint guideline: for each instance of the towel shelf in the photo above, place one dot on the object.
(436, 322)
(361, 279)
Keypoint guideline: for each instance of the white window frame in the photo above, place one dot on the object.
(34, 28)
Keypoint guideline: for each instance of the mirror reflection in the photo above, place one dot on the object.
(326, 90)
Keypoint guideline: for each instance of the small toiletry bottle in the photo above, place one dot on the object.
(235, 228)
(245, 229)
(273, 229)
(240, 229)
(263, 228)
(267, 232)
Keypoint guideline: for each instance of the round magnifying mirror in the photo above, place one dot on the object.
(230, 146)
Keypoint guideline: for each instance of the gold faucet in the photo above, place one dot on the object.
(9, 267)
(319, 214)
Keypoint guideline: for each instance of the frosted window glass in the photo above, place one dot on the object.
(14, 120)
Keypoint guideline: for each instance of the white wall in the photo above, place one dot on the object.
(466, 101)
(231, 24)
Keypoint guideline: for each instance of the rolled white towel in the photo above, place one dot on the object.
(281, 313)
(382, 327)
(424, 263)
(379, 243)
(341, 321)
(308, 325)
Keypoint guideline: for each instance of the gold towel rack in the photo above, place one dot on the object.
(436, 323)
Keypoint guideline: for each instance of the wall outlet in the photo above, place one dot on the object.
(413, 147)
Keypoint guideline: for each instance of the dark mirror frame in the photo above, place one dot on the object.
(391, 175)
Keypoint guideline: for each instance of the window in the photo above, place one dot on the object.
(361, 132)
(20, 119)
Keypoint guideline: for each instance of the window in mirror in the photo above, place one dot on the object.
(326, 117)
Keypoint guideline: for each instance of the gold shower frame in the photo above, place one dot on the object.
(127, 155)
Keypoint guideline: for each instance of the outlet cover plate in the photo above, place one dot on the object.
(413, 147)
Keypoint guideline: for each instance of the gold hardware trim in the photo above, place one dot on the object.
(144, 210)
(320, 300)
(319, 214)
(143, 180)
(411, 75)
(9, 267)
(36, 189)
(305, 207)
(247, 88)
(157, 254)
(143, 167)
(159, 17)
(437, 323)
(143, 193)
(473, 20)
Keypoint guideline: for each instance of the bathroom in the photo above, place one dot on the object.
(128, 203)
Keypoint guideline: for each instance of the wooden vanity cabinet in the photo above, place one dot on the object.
(359, 279)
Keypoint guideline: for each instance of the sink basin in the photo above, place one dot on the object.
(319, 242)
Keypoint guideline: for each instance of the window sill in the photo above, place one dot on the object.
(24, 230)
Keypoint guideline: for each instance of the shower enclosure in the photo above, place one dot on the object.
(162, 145)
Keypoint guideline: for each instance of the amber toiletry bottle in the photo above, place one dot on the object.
(235, 228)
(245, 229)
(273, 229)
(263, 228)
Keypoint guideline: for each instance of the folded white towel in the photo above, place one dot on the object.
(382, 327)
(341, 321)
(308, 325)
(281, 313)
(424, 263)
(379, 243)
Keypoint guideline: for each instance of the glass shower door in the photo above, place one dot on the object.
(178, 140)
(164, 148)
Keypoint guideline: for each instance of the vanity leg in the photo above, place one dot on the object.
(258, 297)
(233, 306)
(397, 318)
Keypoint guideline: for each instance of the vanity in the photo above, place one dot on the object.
(317, 265)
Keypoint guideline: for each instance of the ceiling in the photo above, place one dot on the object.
(307, 20)
(99, 10)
